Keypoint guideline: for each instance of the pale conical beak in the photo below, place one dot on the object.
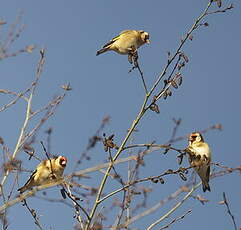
(148, 41)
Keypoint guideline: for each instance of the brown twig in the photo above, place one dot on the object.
(33, 214)
(76, 204)
(229, 211)
(50, 162)
(176, 219)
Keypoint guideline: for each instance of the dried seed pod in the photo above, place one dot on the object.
(154, 180)
(66, 87)
(30, 48)
(165, 95)
(182, 176)
(161, 180)
(174, 84)
(179, 80)
(169, 92)
(155, 108)
(63, 193)
(185, 57)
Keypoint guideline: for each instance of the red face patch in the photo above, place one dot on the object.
(63, 161)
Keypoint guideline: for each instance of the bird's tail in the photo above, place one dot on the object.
(101, 51)
(206, 186)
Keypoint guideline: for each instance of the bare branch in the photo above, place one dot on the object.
(229, 211)
(176, 219)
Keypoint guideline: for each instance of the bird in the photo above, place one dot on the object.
(47, 171)
(126, 42)
(200, 158)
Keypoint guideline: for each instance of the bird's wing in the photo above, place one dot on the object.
(30, 178)
(111, 41)
(124, 32)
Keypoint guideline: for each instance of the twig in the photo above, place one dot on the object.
(176, 219)
(229, 211)
(23, 196)
(154, 179)
(28, 112)
(51, 167)
(213, 127)
(33, 214)
(175, 207)
(174, 131)
(156, 146)
(222, 11)
(80, 173)
(142, 76)
(174, 195)
(76, 205)
(14, 101)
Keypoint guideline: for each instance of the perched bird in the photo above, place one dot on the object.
(46, 172)
(126, 42)
(200, 157)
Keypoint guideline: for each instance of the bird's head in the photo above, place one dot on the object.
(145, 37)
(62, 161)
(195, 138)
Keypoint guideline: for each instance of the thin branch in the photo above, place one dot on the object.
(229, 211)
(28, 113)
(175, 207)
(155, 146)
(33, 214)
(46, 153)
(154, 179)
(98, 167)
(77, 206)
(176, 219)
(173, 196)
(231, 6)
(142, 76)
(30, 193)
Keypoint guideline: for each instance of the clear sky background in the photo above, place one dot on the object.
(72, 32)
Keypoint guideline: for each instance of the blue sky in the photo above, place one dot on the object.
(72, 32)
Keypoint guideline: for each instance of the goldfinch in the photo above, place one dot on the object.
(126, 42)
(46, 172)
(200, 158)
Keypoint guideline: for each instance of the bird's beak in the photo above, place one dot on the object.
(148, 41)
